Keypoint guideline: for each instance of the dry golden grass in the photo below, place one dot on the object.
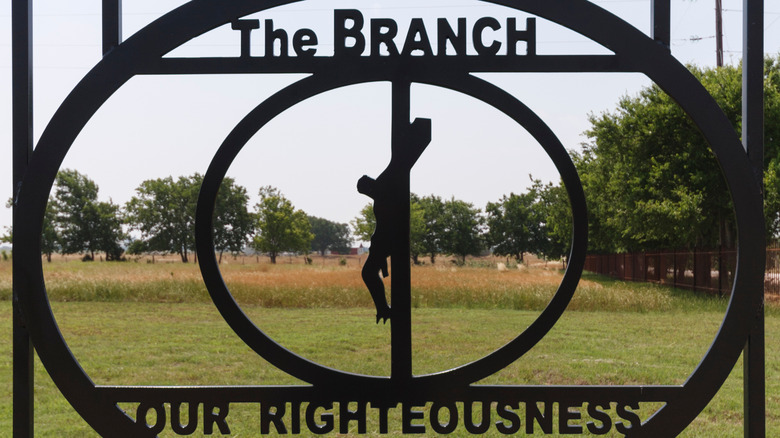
(332, 281)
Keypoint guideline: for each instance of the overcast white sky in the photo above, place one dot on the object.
(316, 151)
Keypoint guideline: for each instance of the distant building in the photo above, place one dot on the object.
(352, 251)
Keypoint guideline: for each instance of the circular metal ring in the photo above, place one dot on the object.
(144, 51)
(314, 373)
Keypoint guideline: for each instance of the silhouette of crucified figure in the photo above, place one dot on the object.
(387, 191)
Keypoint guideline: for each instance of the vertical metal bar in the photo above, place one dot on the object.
(719, 33)
(112, 24)
(753, 141)
(660, 19)
(401, 322)
(21, 11)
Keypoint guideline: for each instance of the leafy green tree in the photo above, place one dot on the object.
(233, 224)
(365, 223)
(462, 228)
(772, 147)
(107, 223)
(280, 227)
(86, 225)
(424, 226)
(163, 210)
(329, 235)
(650, 178)
(772, 199)
(73, 194)
(432, 212)
(137, 247)
(8, 236)
(417, 230)
(50, 237)
(555, 211)
(515, 225)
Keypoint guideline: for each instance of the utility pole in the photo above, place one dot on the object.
(719, 32)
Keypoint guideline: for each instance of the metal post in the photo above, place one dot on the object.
(661, 21)
(112, 24)
(401, 323)
(753, 141)
(21, 11)
(719, 33)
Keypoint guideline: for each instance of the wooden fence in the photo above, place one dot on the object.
(710, 271)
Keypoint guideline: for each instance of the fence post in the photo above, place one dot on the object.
(623, 275)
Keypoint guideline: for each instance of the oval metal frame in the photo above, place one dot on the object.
(145, 50)
(320, 375)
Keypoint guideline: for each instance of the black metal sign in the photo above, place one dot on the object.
(369, 51)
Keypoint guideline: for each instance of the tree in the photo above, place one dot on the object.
(85, 225)
(424, 226)
(772, 147)
(107, 225)
(555, 209)
(650, 178)
(515, 225)
(74, 192)
(365, 223)
(461, 225)
(137, 247)
(233, 224)
(329, 235)
(280, 227)
(164, 212)
(772, 199)
(432, 214)
(50, 237)
(417, 230)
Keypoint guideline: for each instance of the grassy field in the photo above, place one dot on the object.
(615, 333)
(326, 283)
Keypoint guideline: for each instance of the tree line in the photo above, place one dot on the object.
(536, 222)
(160, 218)
(650, 180)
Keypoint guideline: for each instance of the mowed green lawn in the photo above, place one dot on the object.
(180, 343)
